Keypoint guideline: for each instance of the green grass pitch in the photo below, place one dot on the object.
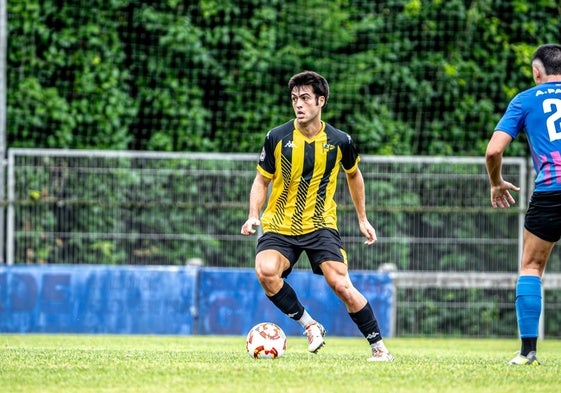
(103, 363)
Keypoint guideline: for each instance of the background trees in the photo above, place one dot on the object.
(407, 77)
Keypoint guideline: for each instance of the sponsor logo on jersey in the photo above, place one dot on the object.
(290, 144)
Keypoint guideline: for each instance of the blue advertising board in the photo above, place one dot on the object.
(170, 300)
(232, 303)
(97, 299)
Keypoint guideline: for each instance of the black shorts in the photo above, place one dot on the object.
(320, 246)
(543, 217)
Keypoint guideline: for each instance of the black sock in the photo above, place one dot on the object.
(529, 344)
(367, 324)
(287, 301)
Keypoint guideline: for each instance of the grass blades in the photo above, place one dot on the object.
(86, 363)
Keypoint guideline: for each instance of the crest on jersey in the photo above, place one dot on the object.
(328, 147)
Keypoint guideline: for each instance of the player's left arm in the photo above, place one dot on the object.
(355, 182)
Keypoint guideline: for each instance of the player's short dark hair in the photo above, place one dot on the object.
(310, 78)
(550, 56)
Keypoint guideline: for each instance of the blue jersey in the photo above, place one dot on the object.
(538, 112)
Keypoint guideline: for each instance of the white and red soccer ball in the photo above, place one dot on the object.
(266, 340)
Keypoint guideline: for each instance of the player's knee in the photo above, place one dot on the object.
(342, 287)
(267, 272)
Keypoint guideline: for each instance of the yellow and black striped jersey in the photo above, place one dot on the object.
(304, 175)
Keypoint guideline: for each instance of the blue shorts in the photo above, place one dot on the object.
(543, 217)
(320, 246)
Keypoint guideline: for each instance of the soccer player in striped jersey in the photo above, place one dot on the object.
(301, 159)
(537, 111)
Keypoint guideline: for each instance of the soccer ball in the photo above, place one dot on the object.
(265, 340)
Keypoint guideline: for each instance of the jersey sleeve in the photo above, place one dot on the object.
(349, 157)
(512, 121)
(266, 164)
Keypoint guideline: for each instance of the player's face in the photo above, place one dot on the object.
(306, 105)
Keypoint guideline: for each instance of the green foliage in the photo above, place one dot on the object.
(431, 311)
(132, 211)
(421, 77)
(67, 80)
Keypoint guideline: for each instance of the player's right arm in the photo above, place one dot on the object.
(257, 198)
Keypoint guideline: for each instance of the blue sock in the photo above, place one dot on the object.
(528, 305)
